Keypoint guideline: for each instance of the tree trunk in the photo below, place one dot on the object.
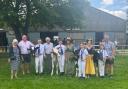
(17, 32)
(16, 24)
(27, 21)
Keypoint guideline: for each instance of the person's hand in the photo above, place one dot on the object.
(82, 59)
(113, 57)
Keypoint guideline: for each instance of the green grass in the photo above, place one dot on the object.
(119, 80)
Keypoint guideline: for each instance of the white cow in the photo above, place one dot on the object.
(55, 64)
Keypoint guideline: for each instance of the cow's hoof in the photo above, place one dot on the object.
(51, 74)
(57, 73)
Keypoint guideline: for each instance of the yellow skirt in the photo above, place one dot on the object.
(90, 69)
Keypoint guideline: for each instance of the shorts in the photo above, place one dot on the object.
(110, 61)
(26, 58)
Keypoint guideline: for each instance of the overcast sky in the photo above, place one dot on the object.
(115, 7)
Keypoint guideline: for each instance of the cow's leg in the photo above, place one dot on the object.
(76, 68)
(57, 65)
(52, 72)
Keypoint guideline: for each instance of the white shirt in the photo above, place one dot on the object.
(105, 54)
(48, 48)
(41, 48)
(24, 46)
(83, 53)
(59, 47)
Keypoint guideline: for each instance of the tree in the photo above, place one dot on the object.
(21, 14)
(16, 14)
(64, 13)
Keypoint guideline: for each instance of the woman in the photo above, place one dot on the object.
(69, 60)
(14, 58)
(90, 69)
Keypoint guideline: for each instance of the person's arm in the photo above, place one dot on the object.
(56, 47)
(11, 54)
(106, 54)
(19, 52)
(85, 54)
(43, 50)
(64, 48)
(31, 44)
(52, 47)
(113, 51)
(19, 44)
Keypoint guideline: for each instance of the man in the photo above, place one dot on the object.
(110, 48)
(39, 57)
(82, 60)
(48, 47)
(61, 58)
(25, 47)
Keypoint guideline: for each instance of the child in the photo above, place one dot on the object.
(102, 59)
(61, 58)
(39, 57)
(82, 60)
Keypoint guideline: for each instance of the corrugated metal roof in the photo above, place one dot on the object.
(97, 20)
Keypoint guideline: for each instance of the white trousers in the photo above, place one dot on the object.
(61, 60)
(39, 64)
(81, 67)
(101, 65)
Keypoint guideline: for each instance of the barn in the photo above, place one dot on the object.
(97, 23)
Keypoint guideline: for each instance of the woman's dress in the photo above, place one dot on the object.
(90, 69)
(69, 60)
(15, 63)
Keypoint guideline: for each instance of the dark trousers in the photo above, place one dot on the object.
(48, 64)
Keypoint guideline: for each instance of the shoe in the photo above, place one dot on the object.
(82, 77)
(101, 76)
(110, 77)
(36, 74)
(12, 77)
(28, 72)
(61, 73)
(23, 73)
(41, 73)
(16, 77)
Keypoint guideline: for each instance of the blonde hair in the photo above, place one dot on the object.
(15, 41)
(47, 38)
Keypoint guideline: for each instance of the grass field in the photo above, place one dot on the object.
(30, 81)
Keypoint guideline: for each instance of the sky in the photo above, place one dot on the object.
(114, 7)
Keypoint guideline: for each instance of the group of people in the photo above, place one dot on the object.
(63, 59)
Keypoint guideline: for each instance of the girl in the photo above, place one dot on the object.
(90, 69)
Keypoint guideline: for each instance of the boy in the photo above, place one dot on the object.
(61, 58)
(102, 59)
(82, 60)
(39, 57)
